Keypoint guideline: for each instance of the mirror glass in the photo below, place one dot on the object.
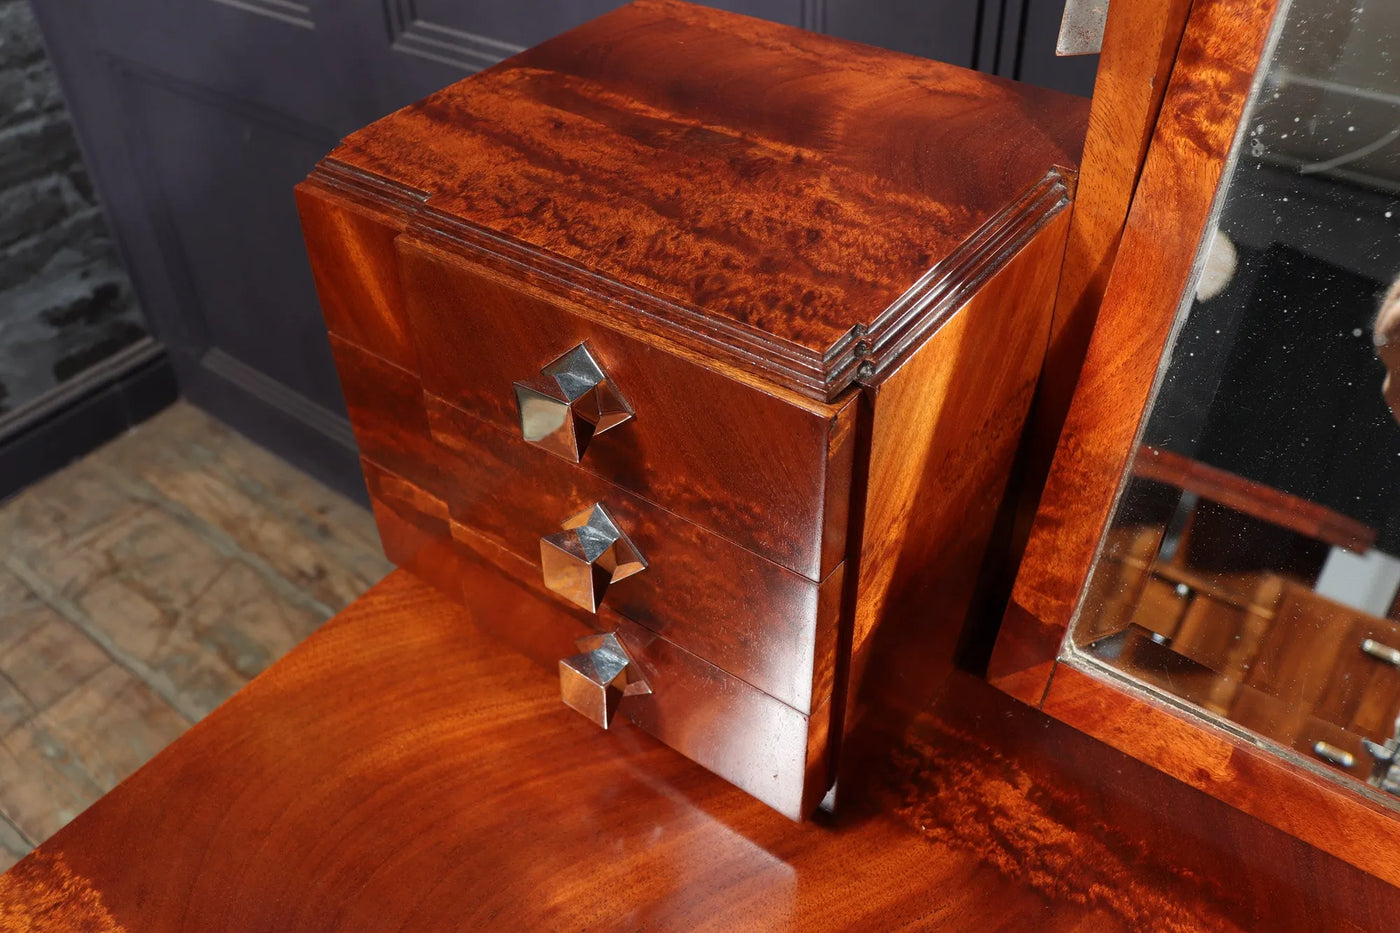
(1252, 565)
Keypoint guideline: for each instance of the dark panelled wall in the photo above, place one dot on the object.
(65, 302)
(197, 117)
(76, 364)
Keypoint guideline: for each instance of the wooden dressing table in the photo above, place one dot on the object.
(404, 770)
(322, 797)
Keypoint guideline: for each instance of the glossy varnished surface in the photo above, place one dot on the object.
(1139, 48)
(716, 229)
(753, 463)
(785, 187)
(1209, 88)
(351, 248)
(772, 631)
(1219, 55)
(944, 429)
(715, 472)
(386, 409)
(767, 748)
(766, 625)
(448, 789)
(775, 752)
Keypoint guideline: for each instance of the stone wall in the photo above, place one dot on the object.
(65, 301)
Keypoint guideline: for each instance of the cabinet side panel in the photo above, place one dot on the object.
(413, 528)
(351, 249)
(391, 424)
(944, 434)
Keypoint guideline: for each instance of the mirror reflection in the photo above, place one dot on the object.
(1253, 562)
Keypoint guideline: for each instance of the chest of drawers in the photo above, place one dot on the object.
(691, 353)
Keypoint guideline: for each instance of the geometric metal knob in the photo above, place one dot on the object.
(569, 402)
(594, 682)
(580, 562)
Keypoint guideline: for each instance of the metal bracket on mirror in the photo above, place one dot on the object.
(1082, 28)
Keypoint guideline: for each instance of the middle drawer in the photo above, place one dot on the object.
(761, 622)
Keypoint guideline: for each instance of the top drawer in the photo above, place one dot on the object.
(763, 467)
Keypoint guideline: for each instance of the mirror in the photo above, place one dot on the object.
(1251, 567)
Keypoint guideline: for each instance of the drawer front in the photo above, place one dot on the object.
(766, 469)
(763, 746)
(764, 624)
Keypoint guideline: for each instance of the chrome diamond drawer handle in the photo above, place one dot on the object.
(587, 556)
(594, 682)
(569, 402)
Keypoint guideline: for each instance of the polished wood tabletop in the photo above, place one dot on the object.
(401, 770)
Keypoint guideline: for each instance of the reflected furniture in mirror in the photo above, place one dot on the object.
(1208, 583)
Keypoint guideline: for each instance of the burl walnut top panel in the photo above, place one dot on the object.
(770, 189)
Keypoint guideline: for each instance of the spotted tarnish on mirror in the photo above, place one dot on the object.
(1208, 584)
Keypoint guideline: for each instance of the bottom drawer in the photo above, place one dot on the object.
(760, 744)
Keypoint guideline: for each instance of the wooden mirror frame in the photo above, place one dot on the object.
(1221, 50)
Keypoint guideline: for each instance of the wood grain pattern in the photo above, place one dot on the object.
(942, 445)
(1338, 820)
(771, 194)
(415, 529)
(779, 755)
(775, 752)
(760, 622)
(351, 249)
(449, 789)
(1139, 49)
(1218, 58)
(1209, 88)
(767, 625)
(700, 444)
(386, 408)
(737, 239)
